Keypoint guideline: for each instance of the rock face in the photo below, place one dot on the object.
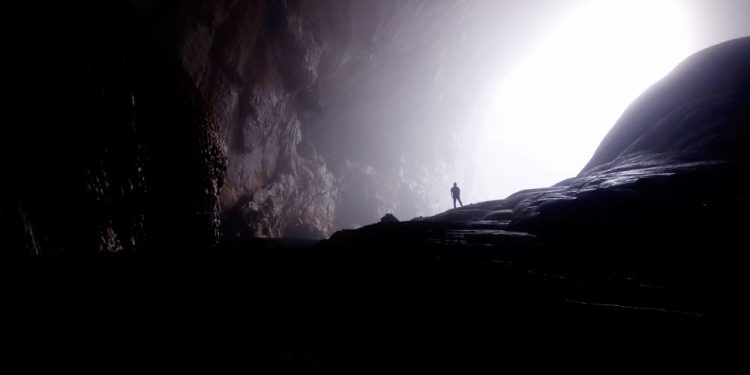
(277, 74)
(312, 100)
(121, 153)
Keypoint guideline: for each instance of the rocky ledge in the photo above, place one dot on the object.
(653, 227)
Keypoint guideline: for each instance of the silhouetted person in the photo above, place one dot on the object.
(456, 194)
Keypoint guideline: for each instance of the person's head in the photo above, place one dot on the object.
(454, 184)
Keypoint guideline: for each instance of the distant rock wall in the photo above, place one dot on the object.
(313, 101)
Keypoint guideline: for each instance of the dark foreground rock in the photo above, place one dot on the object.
(112, 149)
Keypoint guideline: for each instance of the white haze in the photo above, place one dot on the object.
(545, 116)
(501, 95)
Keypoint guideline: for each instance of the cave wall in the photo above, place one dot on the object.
(113, 148)
(268, 68)
(155, 124)
(334, 113)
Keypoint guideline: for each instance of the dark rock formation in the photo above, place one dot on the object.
(280, 77)
(120, 154)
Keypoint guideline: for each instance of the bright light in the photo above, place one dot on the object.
(558, 102)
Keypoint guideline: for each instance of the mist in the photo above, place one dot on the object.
(505, 96)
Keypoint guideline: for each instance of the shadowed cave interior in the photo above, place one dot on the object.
(206, 180)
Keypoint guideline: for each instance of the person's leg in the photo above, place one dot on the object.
(459, 202)
(454, 202)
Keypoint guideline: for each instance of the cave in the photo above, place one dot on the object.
(265, 184)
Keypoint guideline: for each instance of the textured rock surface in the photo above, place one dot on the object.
(303, 93)
(267, 68)
(119, 152)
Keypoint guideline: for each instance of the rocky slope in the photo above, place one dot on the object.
(113, 148)
(653, 225)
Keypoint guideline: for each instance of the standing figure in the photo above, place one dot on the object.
(456, 194)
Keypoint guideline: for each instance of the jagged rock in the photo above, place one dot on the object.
(288, 90)
(120, 153)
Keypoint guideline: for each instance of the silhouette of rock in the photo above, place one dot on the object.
(389, 218)
(297, 89)
(653, 223)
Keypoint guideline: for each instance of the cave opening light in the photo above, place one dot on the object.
(555, 105)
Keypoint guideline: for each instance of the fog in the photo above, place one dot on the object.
(501, 96)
